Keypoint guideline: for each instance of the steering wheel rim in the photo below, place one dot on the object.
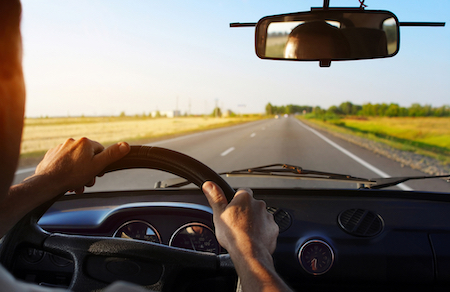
(173, 162)
(83, 248)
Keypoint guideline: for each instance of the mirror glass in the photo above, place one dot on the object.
(328, 35)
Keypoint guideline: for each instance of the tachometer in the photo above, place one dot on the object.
(316, 257)
(139, 230)
(195, 236)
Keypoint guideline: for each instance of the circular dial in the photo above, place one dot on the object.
(139, 230)
(195, 236)
(316, 257)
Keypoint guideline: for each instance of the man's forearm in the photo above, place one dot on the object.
(257, 272)
(21, 199)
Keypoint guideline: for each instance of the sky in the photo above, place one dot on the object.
(93, 57)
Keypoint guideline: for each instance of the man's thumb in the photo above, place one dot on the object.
(215, 196)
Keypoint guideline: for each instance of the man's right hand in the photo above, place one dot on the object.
(244, 220)
(249, 233)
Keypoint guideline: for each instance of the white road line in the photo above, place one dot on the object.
(354, 157)
(25, 170)
(252, 135)
(226, 152)
(196, 134)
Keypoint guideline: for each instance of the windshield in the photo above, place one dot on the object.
(174, 74)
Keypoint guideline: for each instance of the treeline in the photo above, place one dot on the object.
(287, 109)
(366, 110)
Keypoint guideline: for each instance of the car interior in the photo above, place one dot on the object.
(368, 235)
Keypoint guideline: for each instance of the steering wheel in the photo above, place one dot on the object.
(156, 265)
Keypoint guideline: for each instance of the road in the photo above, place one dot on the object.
(284, 140)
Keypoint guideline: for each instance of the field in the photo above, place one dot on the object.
(44, 133)
(424, 135)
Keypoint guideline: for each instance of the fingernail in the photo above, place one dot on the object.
(207, 187)
(123, 147)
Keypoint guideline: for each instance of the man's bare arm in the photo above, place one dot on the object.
(249, 233)
(68, 167)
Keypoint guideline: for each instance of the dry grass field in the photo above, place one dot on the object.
(424, 135)
(44, 133)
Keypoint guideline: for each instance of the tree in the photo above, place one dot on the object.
(393, 110)
(367, 110)
(334, 110)
(216, 112)
(346, 108)
(269, 109)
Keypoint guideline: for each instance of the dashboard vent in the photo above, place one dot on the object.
(360, 222)
(282, 218)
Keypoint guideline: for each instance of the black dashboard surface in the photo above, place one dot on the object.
(388, 240)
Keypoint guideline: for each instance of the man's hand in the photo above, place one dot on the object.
(249, 233)
(69, 166)
(75, 163)
(242, 224)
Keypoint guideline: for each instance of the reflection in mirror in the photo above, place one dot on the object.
(328, 35)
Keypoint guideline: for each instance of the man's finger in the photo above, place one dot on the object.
(215, 196)
(98, 148)
(112, 153)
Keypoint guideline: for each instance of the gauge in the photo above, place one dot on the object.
(139, 230)
(32, 255)
(195, 236)
(316, 257)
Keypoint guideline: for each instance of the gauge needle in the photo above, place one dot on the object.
(314, 264)
(193, 247)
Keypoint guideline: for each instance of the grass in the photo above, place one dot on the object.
(45, 133)
(423, 135)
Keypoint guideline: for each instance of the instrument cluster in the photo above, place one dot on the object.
(194, 236)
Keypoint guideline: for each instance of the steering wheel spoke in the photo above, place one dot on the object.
(99, 261)
(110, 259)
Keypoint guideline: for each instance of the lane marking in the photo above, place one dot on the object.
(252, 135)
(25, 170)
(206, 132)
(226, 152)
(354, 157)
(32, 169)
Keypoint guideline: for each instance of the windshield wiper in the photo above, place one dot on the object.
(392, 181)
(374, 183)
(287, 171)
(294, 172)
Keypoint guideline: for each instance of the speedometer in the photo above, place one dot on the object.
(139, 230)
(195, 236)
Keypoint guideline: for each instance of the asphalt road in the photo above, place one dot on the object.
(284, 140)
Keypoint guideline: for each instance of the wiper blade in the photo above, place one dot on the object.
(392, 181)
(279, 170)
(287, 171)
(296, 172)
(374, 183)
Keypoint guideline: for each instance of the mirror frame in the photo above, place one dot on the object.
(263, 24)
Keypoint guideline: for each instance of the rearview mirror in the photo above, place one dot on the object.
(328, 35)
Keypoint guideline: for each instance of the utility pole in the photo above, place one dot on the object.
(216, 110)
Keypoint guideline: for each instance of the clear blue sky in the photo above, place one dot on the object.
(96, 57)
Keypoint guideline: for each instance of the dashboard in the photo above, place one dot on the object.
(330, 240)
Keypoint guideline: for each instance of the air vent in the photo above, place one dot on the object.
(281, 217)
(360, 222)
